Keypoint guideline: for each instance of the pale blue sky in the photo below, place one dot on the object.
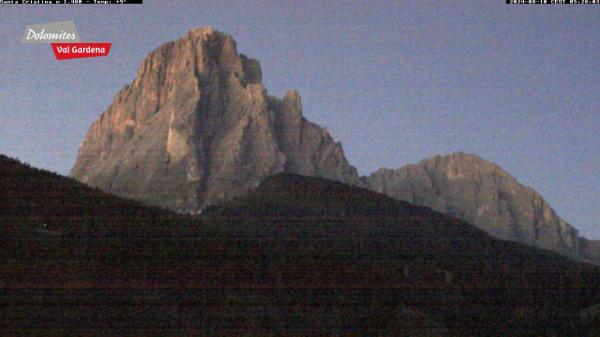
(394, 81)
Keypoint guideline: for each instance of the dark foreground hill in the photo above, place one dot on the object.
(296, 257)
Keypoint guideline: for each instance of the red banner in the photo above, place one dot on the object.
(76, 50)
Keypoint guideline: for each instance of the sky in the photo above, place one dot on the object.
(394, 81)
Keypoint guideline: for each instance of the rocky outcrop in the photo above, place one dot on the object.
(483, 194)
(196, 126)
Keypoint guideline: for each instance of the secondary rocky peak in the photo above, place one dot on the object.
(483, 194)
(460, 165)
(196, 127)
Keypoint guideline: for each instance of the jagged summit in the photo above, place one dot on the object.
(196, 126)
(201, 30)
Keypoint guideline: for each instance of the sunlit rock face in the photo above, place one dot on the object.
(483, 194)
(196, 127)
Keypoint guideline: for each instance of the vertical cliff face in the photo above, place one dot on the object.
(482, 194)
(197, 126)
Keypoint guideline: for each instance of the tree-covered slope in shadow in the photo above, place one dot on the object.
(297, 256)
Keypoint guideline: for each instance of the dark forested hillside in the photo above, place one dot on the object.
(37, 199)
(297, 256)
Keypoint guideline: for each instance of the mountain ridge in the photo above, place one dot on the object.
(197, 127)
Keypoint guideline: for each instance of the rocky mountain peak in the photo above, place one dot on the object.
(483, 194)
(196, 127)
(461, 165)
(202, 31)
